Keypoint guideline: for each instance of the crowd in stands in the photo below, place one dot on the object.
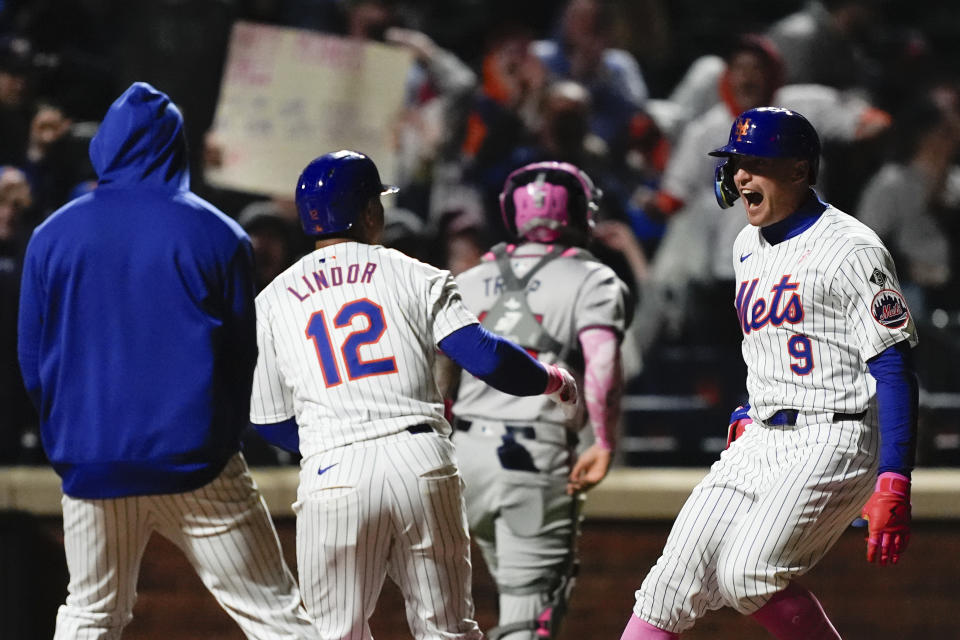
(633, 92)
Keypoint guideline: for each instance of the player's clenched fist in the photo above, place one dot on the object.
(561, 387)
(887, 513)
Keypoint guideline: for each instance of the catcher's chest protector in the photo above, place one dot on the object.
(511, 316)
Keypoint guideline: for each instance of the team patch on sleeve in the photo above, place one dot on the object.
(890, 309)
(878, 277)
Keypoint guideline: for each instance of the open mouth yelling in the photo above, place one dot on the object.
(753, 199)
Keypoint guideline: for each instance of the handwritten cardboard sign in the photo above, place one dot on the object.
(290, 95)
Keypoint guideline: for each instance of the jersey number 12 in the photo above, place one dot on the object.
(356, 366)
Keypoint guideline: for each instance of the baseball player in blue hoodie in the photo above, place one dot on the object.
(137, 343)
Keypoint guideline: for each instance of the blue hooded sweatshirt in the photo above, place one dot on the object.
(137, 337)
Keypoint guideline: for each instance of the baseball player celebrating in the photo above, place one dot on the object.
(137, 343)
(524, 482)
(348, 337)
(832, 414)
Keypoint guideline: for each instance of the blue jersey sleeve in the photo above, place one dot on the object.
(285, 435)
(897, 402)
(495, 360)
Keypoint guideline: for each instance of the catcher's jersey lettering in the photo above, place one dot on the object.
(319, 280)
(494, 286)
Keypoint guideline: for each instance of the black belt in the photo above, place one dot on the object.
(788, 417)
(420, 428)
(527, 431)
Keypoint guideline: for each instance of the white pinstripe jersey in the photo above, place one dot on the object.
(813, 309)
(347, 339)
(568, 295)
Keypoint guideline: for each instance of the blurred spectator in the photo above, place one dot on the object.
(273, 238)
(430, 129)
(692, 264)
(406, 232)
(17, 416)
(582, 52)
(908, 202)
(502, 116)
(179, 45)
(16, 98)
(56, 160)
(506, 106)
(563, 135)
(823, 43)
(74, 45)
(462, 240)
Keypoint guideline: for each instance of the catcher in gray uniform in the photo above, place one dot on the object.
(518, 456)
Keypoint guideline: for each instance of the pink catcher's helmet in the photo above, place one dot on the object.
(540, 199)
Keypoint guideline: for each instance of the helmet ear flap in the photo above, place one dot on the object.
(723, 186)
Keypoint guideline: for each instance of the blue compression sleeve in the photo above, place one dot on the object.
(897, 402)
(281, 434)
(495, 360)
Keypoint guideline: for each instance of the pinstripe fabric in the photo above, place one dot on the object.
(767, 511)
(568, 295)
(420, 306)
(390, 506)
(813, 309)
(225, 532)
(831, 264)
(374, 500)
(523, 521)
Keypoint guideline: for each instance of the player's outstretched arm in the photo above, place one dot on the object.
(505, 366)
(602, 390)
(888, 512)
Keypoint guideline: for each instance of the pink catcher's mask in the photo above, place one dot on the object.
(540, 199)
(541, 209)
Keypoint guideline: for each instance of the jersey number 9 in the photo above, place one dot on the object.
(800, 349)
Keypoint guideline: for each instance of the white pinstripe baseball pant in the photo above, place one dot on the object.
(389, 506)
(768, 510)
(223, 528)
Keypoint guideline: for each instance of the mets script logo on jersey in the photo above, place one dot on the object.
(743, 127)
(889, 309)
(783, 306)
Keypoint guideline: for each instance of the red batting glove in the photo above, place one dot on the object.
(739, 420)
(887, 513)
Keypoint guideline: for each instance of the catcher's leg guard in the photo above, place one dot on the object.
(539, 613)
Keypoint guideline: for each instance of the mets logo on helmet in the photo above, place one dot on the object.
(743, 126)
(890, 309)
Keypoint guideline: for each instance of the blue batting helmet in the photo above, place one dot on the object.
(334, 189)
(766, 132)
